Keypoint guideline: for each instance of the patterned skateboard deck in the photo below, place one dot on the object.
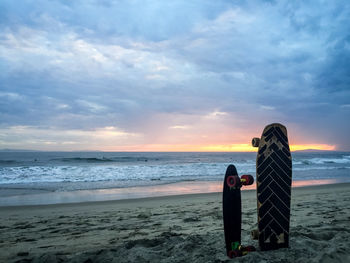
(274, 179)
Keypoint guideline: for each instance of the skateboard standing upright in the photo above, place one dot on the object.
(232, 211)
(273, 180)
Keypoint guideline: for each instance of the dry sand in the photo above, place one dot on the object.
(184, 228)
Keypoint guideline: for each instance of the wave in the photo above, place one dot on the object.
(100, 160)
(323, 161)
(145, 174)
(320, 168)
(80, 160)
(7, 162)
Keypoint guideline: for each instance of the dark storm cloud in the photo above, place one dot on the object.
(91, 64)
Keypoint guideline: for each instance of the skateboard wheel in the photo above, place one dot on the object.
(247, 179)
(233, 181)
(255, 142)
(254, 234)
(249, 248)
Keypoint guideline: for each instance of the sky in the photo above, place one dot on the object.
(192, 75)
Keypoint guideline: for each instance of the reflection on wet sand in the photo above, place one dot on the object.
(181, 188)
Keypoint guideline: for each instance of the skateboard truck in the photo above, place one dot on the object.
(234, 181)
(238, 250)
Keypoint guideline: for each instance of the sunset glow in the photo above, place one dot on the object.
(213, 148)
(192, 148)
(249, 148)
(111, 139)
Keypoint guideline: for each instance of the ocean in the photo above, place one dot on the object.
(78, 171)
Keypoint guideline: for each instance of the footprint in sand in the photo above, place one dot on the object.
(191, 219)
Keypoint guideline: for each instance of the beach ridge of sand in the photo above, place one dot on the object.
(186, 228)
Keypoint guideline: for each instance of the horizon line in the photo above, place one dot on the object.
(160, 151)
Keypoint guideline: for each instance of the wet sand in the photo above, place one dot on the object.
(182, 228)
(48, 194)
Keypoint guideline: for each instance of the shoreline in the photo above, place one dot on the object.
(36, 196)
(179, 228)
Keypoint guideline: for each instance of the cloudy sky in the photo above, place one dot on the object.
(125, 75)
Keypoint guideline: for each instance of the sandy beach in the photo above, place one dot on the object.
(186, 228)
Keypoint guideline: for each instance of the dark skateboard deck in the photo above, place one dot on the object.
(232, 211)
(273, 180)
